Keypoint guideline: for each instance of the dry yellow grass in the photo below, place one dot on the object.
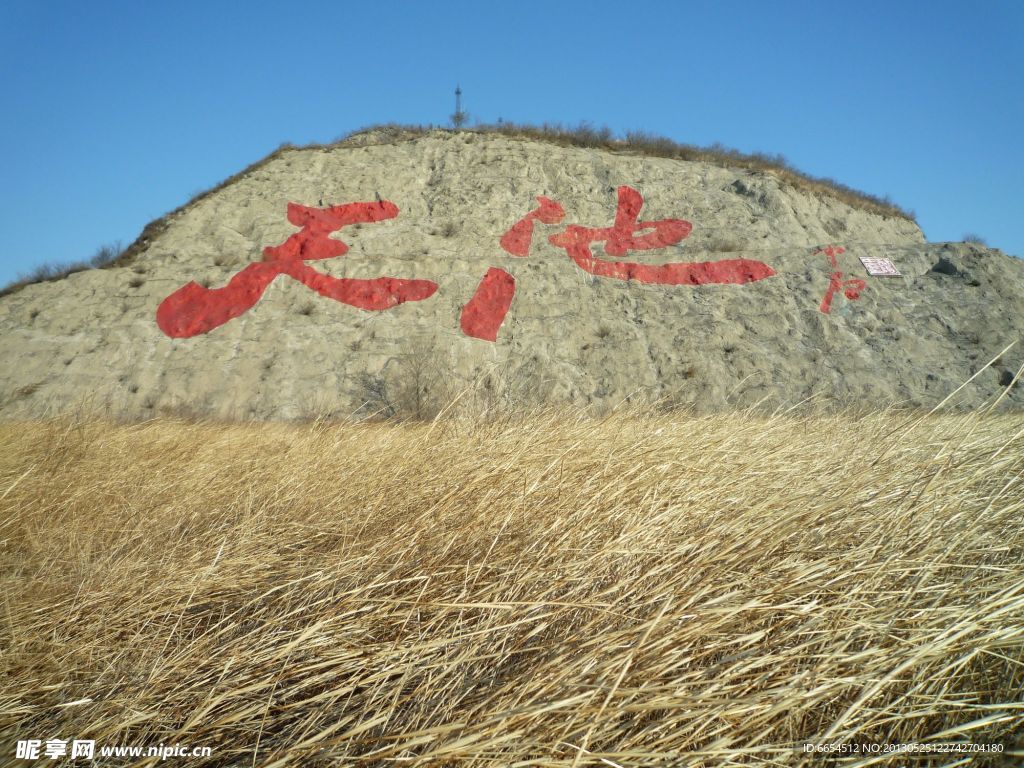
(549, 591)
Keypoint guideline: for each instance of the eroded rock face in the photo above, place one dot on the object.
(572, 328)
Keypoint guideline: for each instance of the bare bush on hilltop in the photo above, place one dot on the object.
(547, 590)
(104, 256)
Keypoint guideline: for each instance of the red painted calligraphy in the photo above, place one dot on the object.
(850, 288)
(193, 309)
(517, 240)
(622, 237)
(485, 312)
(483, 315)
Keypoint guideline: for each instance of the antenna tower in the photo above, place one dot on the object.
(458, 117)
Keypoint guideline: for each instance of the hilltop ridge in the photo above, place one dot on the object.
(635, 142)
(518, 270)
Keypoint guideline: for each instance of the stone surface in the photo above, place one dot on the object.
(92, 338)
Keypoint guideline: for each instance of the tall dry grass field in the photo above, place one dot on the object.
(549, 591)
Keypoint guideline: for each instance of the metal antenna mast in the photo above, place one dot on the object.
(458, 117)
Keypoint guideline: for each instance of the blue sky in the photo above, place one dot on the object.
(116, 112)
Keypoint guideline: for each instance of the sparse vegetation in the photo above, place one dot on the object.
(544, 590)
(104, 256)
(653, 145)
(412, 387)
(376, 397)
(724, 245)
(971, 237)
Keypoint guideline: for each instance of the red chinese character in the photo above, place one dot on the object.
(193, 309)
(485, 312)
(517, 240)
(851, 288)
(621, 238)
(483, 315)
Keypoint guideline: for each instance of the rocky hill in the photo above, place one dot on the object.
(394, 272)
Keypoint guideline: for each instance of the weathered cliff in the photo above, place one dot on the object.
(634, 277)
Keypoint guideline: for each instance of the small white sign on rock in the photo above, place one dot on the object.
(879, 267)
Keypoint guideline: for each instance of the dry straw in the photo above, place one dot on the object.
(543, 591)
